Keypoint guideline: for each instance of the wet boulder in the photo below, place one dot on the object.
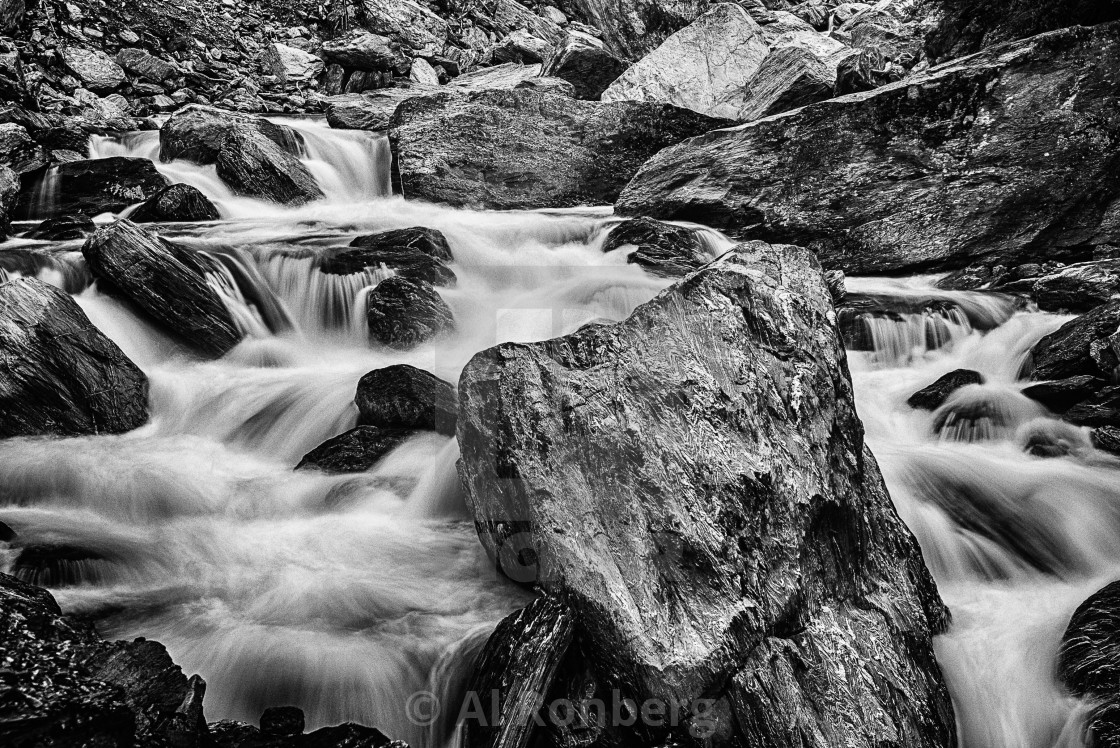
(1062, 394)
(725, 535)
(9, 190)
(584, 62)
(941, 183)
(355, 451)
(405, 312)
(520, 149)
(417, 253)
(166, 282)
(291, 65)
(195, 133)
(1101, 408)
(1089, 662)
(95, 69)
(365, 111)
(1082, 346)
(404, 397)
(252, 164)
(934, 396)
(661, 248)
(58, 373)
(18, 151)
(63, 228)
(1078, 288)
(179, 202)
(1106, 439)
(94, 186)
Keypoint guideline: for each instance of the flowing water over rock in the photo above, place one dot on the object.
(343, 594)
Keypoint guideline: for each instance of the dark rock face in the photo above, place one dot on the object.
(166, 282)
(355, 451)
(1078, 288)
(1080, 347)
(633, 28)
(195, 133)
(935, 395)
(661, 248)
(725, 535)
(517, 667)
(1101, 408)
(282, 721)
(404, 397)
(101, 185)
(63, 228)
(58, 373)
(966, 26)
(1106, 439)
(405, 312)
(953, 165)
(252, 164)
(18, 151)
(584, 62)
(179, 202)
(9, 189)
(1089, 661)
(519, 149)
(1061, 395)
(417, 253)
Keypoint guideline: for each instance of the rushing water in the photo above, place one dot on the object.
(343, 594)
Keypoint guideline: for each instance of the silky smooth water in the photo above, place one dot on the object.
(344, 594)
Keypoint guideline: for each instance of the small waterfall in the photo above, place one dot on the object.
(44, 197)
(321, 302)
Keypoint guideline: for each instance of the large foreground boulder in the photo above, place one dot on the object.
(693, 481)
(195, 133)
(521, 149)
(1089, 662)
(58, 373)
(92, 186)
(251, 164)
(949, 166)
(166, 281)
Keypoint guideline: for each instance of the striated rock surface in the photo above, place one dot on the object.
(63, 228)
(404, 312)
(251, 164)
(9, 190)
(1089, 662)
(1082, 346)
(18, 151)
(195, 133)
(366, 111)
(661, 248)
(584, 62)
(1078, 288)
(417, 253)
(520, 149)
(355, 451)
(934, 395)
(95, 69)
(291, 65)
(634, 28)
(58, 373)
(95, 186)
(693, 480)
(179, 202)
(404, 397)
(165, 281)
(949, 166)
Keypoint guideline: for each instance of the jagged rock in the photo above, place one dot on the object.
(335, 77)
(63, 228)
(165, 281)
(634, 28)
(584, 62)
(13, 82)
(366, 111)
(516, 669)
(548, 85)
(18, 151)
(1078, 288)
(422, 73)
(1083, 346)
(966, 26)
(934, 396)
(291, 65)
(520, 149)
(95, 186)
(406, 22)
(179, 202)
(417, 253)
(195, 133)
(1101, 408)
(355, 451)
(9, 190)
(522, 47)
(362, 51)
(405, 312)
(404, 397)
(11, 12)
(58, 373)
(951, 166)
(661, 248)
(864, 71)
(893, 30)
(1089, 662)
(252, 164)
(1106, 439)
(724, 535)
(282, 722)
(721, 66)
(95, 69)
(497, 77)
(146, 66)
(1062, 394)
(507, 16)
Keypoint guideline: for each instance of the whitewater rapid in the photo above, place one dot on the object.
(344, 594)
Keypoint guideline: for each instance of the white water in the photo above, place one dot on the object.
(344, 594)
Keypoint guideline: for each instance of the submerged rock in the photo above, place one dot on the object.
(725, 534)
(661, 248)
(404, 397)
(179, 202)
(355, 451)
(95, 186)
(252, 164)
(195, 133)
(405, 312)
(951, 165)
(1089, 662)
(167, 282)
(584, 62)
(520, 149)
(935, 395)
(58, 373)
